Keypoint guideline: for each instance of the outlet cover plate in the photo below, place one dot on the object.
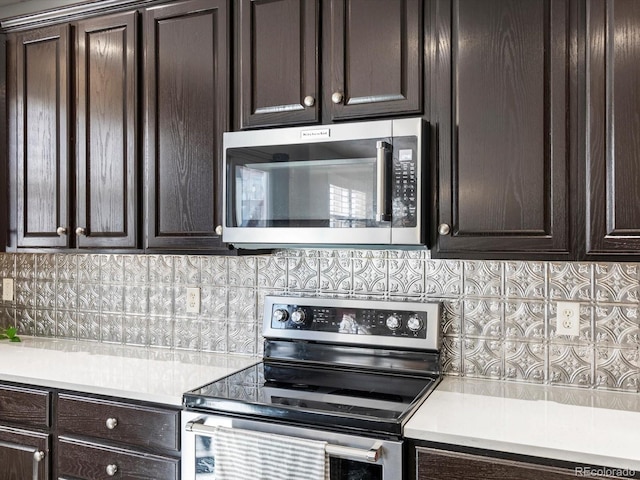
(7, 289)
(193, 300)
(568, 319)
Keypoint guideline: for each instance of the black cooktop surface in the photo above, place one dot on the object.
(322, 396)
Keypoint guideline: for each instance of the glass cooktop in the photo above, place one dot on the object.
(316, 395)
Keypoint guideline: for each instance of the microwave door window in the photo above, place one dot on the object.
(325, 185)
(251, 196)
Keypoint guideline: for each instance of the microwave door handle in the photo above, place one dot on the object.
(383, 151)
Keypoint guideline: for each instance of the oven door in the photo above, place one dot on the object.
(351, 457)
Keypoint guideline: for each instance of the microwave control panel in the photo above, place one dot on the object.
(405, 182)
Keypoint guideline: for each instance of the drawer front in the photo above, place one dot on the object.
(139, 426)
(86, 461)
(24, 406)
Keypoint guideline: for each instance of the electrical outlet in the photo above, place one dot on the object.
(568, 319)
(193, 300)
(7, 289)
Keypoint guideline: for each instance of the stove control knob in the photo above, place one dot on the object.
(414, 323)
(298, 317)
(280, 315)
(393, 322)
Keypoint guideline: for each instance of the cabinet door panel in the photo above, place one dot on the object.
(18, 459)
(502, 111)
(373, 57)
(138, 426)
(613, 138)
(187, 99)
(440, 465)
(80, 460)
(42, 112)
(107, 200)
(278, 62)
(25, 406)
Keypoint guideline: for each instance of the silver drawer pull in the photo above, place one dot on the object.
(112, 469)
(371, 455)
(111, 423)
(38, 456)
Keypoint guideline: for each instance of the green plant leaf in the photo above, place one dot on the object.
(15, 339)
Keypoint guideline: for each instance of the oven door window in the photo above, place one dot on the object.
(319, 185)
(342, 469)
(339, 468)
(204, 459)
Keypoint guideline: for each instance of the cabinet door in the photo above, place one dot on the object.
(80, 460)
(24, 454)
(278, 62)
(187, 110)
(613, 136)
(501, 116)
(372, 62)
(440, 465)
(106, 186)
(42, 140)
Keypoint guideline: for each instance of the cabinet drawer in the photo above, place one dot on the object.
(24, 406)
(81, 460)
(135, 425)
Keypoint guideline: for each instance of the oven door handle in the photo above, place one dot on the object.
(371, 455)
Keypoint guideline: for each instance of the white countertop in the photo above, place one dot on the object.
(582, 426)
(138, 373)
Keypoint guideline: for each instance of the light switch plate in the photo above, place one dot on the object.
(7, 289)
(193, 300)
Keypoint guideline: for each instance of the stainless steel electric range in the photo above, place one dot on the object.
(346, 372)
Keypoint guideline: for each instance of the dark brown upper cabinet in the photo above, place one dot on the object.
(106, 132)
(370, 56)
(96, 207)
(502, 117)
(187, 98)
(613, 128)
(39, 77)
(278, 70)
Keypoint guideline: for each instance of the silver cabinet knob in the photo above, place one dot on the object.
(38, 456)
(337, 97)
(219, 230)
(61, 231)
(112, 469)
(111, 423)
(309, 101)
(81, 231)
(444, 229)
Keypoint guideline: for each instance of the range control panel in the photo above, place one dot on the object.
(370, 323)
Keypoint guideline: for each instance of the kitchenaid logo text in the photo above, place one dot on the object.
(319, 133)
(604, 472)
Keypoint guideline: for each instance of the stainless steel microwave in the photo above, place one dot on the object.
(344, 184)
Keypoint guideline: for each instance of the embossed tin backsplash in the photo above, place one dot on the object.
(498, 321)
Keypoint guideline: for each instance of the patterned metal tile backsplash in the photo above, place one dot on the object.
(498, 317)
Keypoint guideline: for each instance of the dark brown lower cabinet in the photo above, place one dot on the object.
(46, 434)
(83, 460)
(24, 454)
(102, 438)
(24, 433)
(436, 464)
